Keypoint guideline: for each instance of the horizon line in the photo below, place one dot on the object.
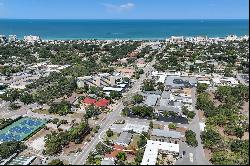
(124, 18)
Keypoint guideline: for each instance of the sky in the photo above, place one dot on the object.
(124, 9)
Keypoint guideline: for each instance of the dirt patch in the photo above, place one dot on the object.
(208, 154)
(72, 147)
(133, 145)
(77, 115)
(181, 129)
(130, 158)
(158, 126)
(221, 131)
(245, 107)
(212, 96)
(245, 136)
(201, 115)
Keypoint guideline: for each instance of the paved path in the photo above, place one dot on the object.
(199, 155)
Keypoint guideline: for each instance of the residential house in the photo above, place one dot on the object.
(124, 139)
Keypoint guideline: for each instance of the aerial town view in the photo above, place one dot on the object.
(117, 82)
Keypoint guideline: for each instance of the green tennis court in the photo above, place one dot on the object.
(20, 129)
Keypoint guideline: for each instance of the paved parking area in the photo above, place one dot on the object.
(185, 160)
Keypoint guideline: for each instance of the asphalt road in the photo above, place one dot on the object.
(113, 116)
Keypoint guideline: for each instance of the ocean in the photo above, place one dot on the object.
(122, 29)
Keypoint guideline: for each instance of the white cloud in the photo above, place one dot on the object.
(119, 8)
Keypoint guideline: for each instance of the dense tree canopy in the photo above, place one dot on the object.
(191, 138)
(9, 148)
(62, 108)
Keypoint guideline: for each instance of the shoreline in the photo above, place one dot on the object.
(122, 29)
(138, 39)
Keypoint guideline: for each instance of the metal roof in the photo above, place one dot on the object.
(151, 100)
(124, 138)
(165, 95)
(164, 103)
(164, 133)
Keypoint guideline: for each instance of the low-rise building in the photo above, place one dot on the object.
(176, 39)
(166, 136)
(124, 139)
(88, 101)
(151, 100)
(100, 80)
(231, 38)
(32, 39)
(153, 148)
(108, 161)
(138, 128)
(141, 63)
(102, 103)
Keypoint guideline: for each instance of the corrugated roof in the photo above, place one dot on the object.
(167, 134)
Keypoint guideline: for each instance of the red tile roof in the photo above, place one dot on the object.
(102, 103)
(89, 100)
(117, 149)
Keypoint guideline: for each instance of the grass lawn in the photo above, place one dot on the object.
(112, 138)
(134, 141)
(76, 115)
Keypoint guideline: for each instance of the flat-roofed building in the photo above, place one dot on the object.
(176, 39)
(99, 80)
(151, 100)
(138, 128)
(153, 148)
(166, 136)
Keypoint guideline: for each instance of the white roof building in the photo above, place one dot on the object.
(136, 128)
(231, 38)
(152, 149)
(112, 89)
(31, 39)
(204, 82)
(218, 81)
(175, 39)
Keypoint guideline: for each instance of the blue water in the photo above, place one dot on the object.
(122, 29)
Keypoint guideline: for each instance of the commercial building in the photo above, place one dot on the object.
(153, 148)
(166, 136)
(3, 39)
(138, 128)
(176, 39)
(12, 38)
(151, 99)
(231, 38)
(224, 81)
(32, 39)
